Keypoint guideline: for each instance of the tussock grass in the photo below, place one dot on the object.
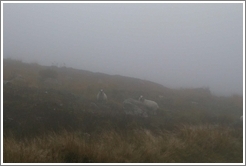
(188, 144)
(204, 143)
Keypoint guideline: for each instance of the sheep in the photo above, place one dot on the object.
(151, 105)
(101, 96)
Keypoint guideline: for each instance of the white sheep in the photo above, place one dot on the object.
(101, 96)
(241, 118)
(151, 105)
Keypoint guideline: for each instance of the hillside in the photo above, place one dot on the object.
(41, 102)
(78, 79)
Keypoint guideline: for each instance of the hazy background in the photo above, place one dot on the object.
(177, 45)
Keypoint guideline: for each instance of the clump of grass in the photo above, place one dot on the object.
(24, 151)
(209, 143)
(204, 143)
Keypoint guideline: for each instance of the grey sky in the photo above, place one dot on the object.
(176, 45)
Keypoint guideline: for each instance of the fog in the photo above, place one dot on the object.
(187, 45)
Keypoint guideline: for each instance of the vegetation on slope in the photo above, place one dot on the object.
(50, 114)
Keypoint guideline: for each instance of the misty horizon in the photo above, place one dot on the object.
(186, 45)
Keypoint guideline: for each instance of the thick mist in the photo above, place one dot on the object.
(179, 45)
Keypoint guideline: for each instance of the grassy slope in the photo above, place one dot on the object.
(186, 144)
(49, 120)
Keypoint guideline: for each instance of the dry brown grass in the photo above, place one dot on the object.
(188, 144)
